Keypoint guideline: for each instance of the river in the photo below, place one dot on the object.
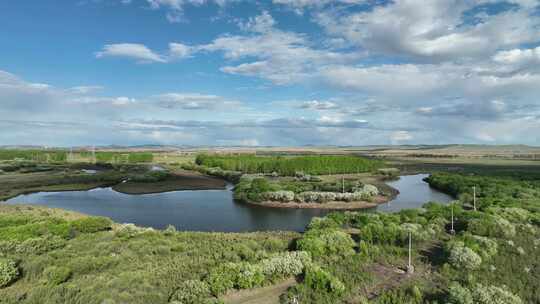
(210, 210)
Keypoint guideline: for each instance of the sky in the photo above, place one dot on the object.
(269, 73)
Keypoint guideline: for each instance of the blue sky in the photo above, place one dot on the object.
(276, 72)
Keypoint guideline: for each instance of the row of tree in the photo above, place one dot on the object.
(289, 166)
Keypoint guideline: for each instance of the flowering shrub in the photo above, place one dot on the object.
(494, 295)
(8, 272)
(284, 265)
(315, 197)
(463, 257)
(458, 294)
(191, 292)
(279, 196)
(481, 294)
(492, 226)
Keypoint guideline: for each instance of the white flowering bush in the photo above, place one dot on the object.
(370, 190)
(284, 265)
(492, 226)
(8, 272)
(458, 294)
(481, 294)
(487, 246)
(494, 295)
(279, 196)
(463, 257)
(315, 197)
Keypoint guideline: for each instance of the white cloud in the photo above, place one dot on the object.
(143, 54)
(193, 101)
(281, 57)
(433, 30)
(130, 50)
(318, 105)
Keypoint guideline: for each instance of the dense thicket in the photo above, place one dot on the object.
(289, 166)
(504, 189)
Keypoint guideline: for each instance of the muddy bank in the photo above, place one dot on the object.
(179, 180)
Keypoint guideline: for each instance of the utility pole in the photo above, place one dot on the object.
(474, 197)
(342, 184)
(410, 268)
(452, 231)
(94, 154)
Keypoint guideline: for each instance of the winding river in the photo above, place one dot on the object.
(210, 210)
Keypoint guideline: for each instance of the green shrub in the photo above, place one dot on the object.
(326, 242)
(319, 280)
(191, 292)
(492, 226)
(249, 276)
(8, 272)
(57, 275)
(92, 224)
(222, 278)
(494, 295)
(458, 294)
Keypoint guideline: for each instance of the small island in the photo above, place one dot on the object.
(314, 182)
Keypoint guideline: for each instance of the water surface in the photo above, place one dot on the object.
(413, 193)
(209, 210)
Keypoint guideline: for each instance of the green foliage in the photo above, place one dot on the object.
(140, 157)
(289, 166)
(461, 256)
(326, 242)
(191, 292)
(57, 275)
(321, 281)
(34, 155)
(480, 294)
(92, 224)
(8, 272)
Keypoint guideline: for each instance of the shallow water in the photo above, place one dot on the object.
(209, 210)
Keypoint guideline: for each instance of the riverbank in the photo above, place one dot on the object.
(178, 180)
(78, 177)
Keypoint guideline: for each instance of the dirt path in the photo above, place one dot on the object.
(386, 277)
(263, 295)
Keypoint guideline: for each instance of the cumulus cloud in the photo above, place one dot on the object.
(280, 56)
(434, 30)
